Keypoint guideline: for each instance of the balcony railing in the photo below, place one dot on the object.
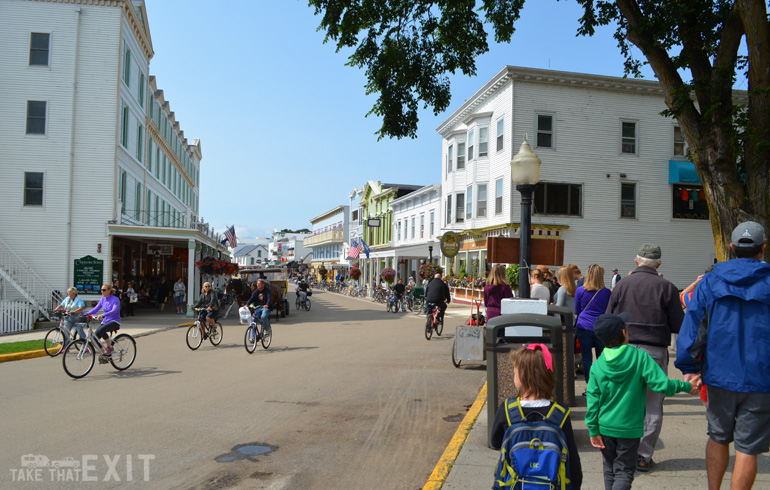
(168, 219)
(326, 237)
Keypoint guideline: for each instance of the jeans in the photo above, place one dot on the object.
(653, 419)
(262, 315)
(400, 301)
(77, 326)
(588, 340)
(619, 458)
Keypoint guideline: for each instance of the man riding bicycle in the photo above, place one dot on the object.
(399, 289)
(437, 293)
(209, 304)
(110, 318)
(261, 299)
(302, 289)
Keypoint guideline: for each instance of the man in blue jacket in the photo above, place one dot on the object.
(735, 299)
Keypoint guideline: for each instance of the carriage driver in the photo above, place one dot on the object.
(261, 298)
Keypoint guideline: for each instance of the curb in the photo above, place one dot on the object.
(445, 463)
(31, 354)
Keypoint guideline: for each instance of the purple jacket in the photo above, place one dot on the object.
(111, 305)
(493, 298)
(586, 309)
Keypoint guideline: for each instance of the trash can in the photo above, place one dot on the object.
(525, 328)
(568, 340)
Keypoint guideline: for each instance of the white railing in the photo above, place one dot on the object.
(24, 279)
(16, 316)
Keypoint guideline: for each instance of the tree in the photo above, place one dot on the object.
(408, 48)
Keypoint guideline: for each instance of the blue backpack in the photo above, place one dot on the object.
(534, 452)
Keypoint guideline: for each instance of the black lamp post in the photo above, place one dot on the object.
(430, 254)
(525, 172)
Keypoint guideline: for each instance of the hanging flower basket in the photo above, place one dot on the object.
(355, 273)
(210, 265)
(428, 270)
(388, 275)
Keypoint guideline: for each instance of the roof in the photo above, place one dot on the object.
(247, 249)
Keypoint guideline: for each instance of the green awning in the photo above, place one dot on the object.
(682, 172)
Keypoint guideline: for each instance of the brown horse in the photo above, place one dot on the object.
(241, 290)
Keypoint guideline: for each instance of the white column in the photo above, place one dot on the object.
(191, 270)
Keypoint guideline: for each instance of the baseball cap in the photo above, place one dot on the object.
(649, 251)
(615, 269)
(607, 326)
(749, 234)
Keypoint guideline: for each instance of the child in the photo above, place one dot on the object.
(534, 381)
(616, 396)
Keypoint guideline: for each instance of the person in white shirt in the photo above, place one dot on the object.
(537, 290)
(615, 278)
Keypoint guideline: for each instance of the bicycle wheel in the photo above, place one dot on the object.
(439, 327)
(307, 304)
(455, 361)
(251, 340)
(215, 335)
(395, 306)
(298, 303)
(429, 327)
(267, 337)
(124, 352)
(54, 342)
(78, 359)
(194, 337)
(410, 303)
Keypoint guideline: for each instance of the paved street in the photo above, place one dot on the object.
(347, 396)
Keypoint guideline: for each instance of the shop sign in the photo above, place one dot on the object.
(89, 274)
(450, 244)
(158, 249)
(373, 222)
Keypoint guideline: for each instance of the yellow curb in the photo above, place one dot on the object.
(186, 324)
(445, 463)
(17, 356)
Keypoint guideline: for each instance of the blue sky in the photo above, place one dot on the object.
(281, 119)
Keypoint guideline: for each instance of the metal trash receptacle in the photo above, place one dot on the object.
(568, 340)
(526, 328)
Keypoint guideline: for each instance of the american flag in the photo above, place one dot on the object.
(355, 249)
(230, 235)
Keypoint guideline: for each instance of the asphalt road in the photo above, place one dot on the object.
(348, 396)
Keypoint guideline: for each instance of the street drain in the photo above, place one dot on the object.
(245, 451)
(453, 418)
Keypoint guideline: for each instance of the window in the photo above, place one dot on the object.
(354, 215)
(398, 231)
(124, 127)
(544, 131)
(470, 144)
(690, 202)
(127, 66)
(460, 208)
(460, 156)
(628, 138)
(449, 209)
(140, 143)
(564, 199)
(422, 226)
(450, 158)
(36, 116)
(39, 43)
(498, 196)
(500, 133)
(33, 188)
(469, 202)
(141, 89)
(628, 200)
(679, 146)
(483, 141)
(413, 227)
(259, 253)
(122, 191)
(432, 224)
(481, 201)
(138, 202)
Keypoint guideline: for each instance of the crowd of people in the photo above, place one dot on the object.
(723, 351)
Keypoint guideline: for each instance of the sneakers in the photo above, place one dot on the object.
(108, 351)
(644, 465)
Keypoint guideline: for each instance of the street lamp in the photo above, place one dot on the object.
(430, 254)
(525, 172)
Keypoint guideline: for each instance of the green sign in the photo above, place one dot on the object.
(450, 244)
(89, 273)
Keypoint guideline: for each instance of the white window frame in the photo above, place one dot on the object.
(460, 207)
(481, 204)
(460, 156)
(499, 195)
(413, 226)
(681, 141)
(469, 202)
(24, 190)
(48, 50)
(624, 203)
(448, 204)
(624, 139)
(551, 132)
(471, 141)
(45, 121)
(422, 225)
(450, 159)
(500, 137)
(483, 141)
(432, 224)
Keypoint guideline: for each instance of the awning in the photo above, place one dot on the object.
(682, 172)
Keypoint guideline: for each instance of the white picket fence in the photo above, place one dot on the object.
(16, 316)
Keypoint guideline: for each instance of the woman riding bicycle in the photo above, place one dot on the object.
(110, 318)
(72, 304)
(210, 306)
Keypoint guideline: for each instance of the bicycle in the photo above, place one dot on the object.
(254, 335)
(59, 336)
(79, 355)
(418, 305)
(432, 322)
(194, 337)
(302, 304)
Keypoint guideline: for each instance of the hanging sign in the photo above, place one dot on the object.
(450, 244)
(89, 273)
(373, 222)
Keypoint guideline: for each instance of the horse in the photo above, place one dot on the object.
(241, 291)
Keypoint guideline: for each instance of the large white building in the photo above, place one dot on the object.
(327, 239)
(416, 230)
(96, 166)
(614, 172)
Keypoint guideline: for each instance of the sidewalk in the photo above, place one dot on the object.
(679, 455)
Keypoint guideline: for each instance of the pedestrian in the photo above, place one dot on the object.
(579, 279)
(163, 292)
(537, 290)
(654, 311)
(735, 297)
(616, 399)
(399, 289)
(496, 290)
(590, 302)
(565, 295)
(179, 292)
(131, 298)
(534, 381)
(547, 281)
(615, 278)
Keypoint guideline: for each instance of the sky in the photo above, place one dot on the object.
(282, 121)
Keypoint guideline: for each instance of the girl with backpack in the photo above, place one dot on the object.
(533, 414)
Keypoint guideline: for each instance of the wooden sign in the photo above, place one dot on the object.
(503, 250)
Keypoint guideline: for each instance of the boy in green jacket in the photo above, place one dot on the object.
(616, 398)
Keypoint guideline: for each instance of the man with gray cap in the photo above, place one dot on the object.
(654, 311)
(732, 351)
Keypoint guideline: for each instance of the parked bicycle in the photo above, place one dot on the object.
(432, 322)
(59, 336)
(79, 355)
(254, 334)
(194, 336)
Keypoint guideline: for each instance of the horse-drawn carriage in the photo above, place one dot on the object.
(240, 287)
